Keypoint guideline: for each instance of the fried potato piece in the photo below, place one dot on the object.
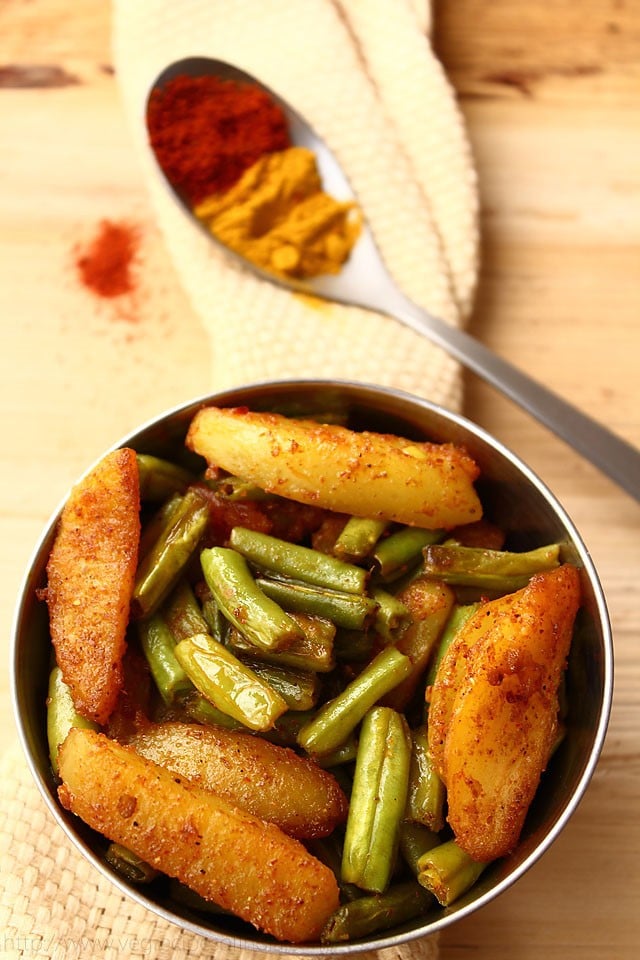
(365, 474)
(269, 781)
(496, 709)
(90, 573)
(245, 865)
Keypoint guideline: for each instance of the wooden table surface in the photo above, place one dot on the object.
(551, 93)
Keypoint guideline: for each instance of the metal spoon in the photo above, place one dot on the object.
(365, 282)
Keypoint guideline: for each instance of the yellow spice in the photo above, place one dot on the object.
(278, 216)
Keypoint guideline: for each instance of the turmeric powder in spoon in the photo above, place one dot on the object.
(278, 216)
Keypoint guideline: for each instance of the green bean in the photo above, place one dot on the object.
(353, 646)
(298, 688)
(228, 684)
(415, 841)
(235, 488)
(297, 562)
(345, 753)
(129, 865)
(311, 651)
(162, 566)
(378, 800)
(337, 718)
(182, 614)
(158, 645)
(160, 478)
(198, 708)
(373, 914)
(430, 605)
(358, 538)
(349, 610)
(448, 872)
(497, 570)
(243, 603)
(61, 715)
(425, 802)
(217, 624)
(391, 613)
(329, 851)
(398, 552)
(457, 618)
(155, 526)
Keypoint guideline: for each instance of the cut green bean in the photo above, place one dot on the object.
(329, 851)
(378, 800)
(337, 718)
(430, 604)
(61, 715)
(182, 613)
(311, 651)
(298, 688)
(425, 802)
(358, 538)
(349, 610)
(235, 488)
(129, 865)
(345, 753)
(497, 570)
(373, 914)
(228, 683)
(415, 841)
(448, 872)
(281, 558)
(158, 645)
(390, 615)
(400, 551)
(160, 479)
(161, 567)
(217, 624)
(457, 618)
(243, 603)
(198, 708)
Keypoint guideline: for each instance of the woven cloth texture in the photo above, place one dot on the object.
(364, 74)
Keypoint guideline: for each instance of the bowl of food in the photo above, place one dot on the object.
(311, 667)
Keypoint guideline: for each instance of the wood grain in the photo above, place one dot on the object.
(551, 93)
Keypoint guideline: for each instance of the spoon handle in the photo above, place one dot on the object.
(613, 456)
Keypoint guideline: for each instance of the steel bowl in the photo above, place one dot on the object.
(511, 493)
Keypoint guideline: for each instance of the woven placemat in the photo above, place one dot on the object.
(365, 75)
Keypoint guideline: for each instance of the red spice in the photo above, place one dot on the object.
(206, 132)
(105, 265)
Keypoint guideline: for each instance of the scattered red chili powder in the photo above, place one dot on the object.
(206, 131)
(105, 266)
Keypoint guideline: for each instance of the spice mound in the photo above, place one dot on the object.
(278, 216)
(225, 147)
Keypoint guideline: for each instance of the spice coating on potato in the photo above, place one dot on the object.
(245, 865)
(90, 573)
(364, 474)
(493, 713)
(269, 781)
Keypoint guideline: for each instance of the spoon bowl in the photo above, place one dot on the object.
(364, 281)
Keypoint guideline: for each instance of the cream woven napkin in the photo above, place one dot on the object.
(364, 74)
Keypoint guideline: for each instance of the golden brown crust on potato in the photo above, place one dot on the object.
(367, 474)
(494, 709)
(90, 573)
(269, 781)
(245, 865)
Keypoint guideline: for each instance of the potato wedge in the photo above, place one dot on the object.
(366, 474)
(269, 781)
(90, 573)
(494, 709)
(223, 853)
